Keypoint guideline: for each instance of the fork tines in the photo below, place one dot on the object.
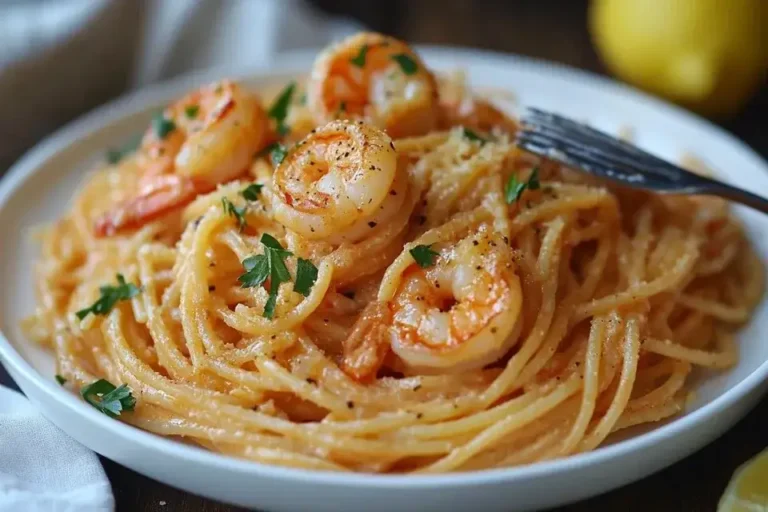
(578, 145)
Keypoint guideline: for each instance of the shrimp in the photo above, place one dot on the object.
(339, 182)
(378, 79)
(207, 137)
(459, 106)
(460, 314)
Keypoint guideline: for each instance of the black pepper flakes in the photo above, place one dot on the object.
(422, 220)
(211, 288)
(350, 404)
(417, 387)
(419, 416)
(475, 243)
(372, 224)
(311, 381)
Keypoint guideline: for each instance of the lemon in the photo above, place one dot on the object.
(748, 490)
(708, 55)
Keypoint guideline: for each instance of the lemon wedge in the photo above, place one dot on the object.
(708, 55)
(748, 489)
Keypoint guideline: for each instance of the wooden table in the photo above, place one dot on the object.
(554, 30)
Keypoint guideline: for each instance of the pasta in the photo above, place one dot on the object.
(388, 285)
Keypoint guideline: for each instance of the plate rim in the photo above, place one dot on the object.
(292, 63)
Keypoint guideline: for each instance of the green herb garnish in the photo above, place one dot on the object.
(514, 188)
(162, 126)
(407, 64)
(191, 111)
(279, 109)
(359, 60)
(270, 265)
(424, 255)
(105, 397)
(472, 136)
(306, 275)
(277, 153)
(234, 211)
(109, 297)
(252, 191)
(61, 380)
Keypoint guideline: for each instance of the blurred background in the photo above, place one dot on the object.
(60, 58)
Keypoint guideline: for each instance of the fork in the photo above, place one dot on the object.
(578, 145)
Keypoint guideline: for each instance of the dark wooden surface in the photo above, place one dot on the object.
(554, 30)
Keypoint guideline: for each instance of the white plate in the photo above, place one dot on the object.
(39, 186)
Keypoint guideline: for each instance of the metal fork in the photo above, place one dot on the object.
(580, 146)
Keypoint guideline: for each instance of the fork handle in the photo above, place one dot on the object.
(718, 188)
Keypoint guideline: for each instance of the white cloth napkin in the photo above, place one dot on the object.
(41, 468)
(60, 59)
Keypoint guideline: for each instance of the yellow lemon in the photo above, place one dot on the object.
(748, 490)
(708, 55)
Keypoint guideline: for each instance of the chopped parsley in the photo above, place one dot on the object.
(472, 136)
(115, 155)
(234, 211)
(191, 111)
(61, 380)
(107, 398)
(407, 64)
(359, 60)
(277, 153)
(110, 295)
(279, 109)
(424, 255)
(252, 191)
(271, 265)
(515, 188)
(162, 126)
(306, 275)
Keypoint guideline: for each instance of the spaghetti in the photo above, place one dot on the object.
(392, 286)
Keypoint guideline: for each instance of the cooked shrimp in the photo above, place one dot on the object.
(459, 106)
(338, 182)
(459, 314)
(206, 138)
(376, 78)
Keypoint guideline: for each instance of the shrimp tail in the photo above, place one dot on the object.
(368, 345)
(163, 195)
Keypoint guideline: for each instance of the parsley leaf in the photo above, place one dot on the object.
(514, 188)
(257, 271)
(472, 136)
(162, 126)
(533, 180)
(279, 109)
(61, 380)
(359, 60)
(407, 64)
(115, 155)
(109, 297)
(105, 397)
(424, 255)
(277, 153)
(252, 191)
(306, 275)
(270, 265)
(234, 211)
(191, 111)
